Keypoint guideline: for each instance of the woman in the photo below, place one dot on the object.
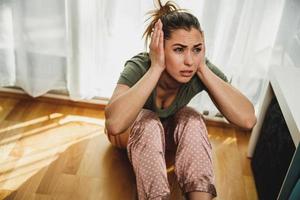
(147, 112)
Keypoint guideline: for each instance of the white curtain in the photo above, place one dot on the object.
(81, 46)
(103, 35)
(286, 50)
(74, 45)
(32, 45)
(239, 37)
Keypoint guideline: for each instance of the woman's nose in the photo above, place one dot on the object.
(188, 59)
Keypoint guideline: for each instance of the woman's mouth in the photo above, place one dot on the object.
(186, 73)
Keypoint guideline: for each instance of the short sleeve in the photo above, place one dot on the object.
(216, 70)
(134, 69)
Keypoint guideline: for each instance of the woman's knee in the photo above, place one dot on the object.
(146, 120)
(188, 115)
(147, 124)
(190, 126)
(146, 136)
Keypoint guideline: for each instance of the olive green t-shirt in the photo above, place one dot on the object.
(137, 66)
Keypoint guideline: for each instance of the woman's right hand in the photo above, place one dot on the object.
(157, 55)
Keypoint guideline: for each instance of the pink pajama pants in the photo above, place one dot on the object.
(148, 140)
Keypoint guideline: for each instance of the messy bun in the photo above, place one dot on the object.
(172, 18)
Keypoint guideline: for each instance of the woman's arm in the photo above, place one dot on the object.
(232, 104)
(126, 103)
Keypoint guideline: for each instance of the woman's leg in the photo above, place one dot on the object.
(193, 162)
(146, 148)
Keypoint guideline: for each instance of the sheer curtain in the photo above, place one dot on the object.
(32, 45)
(74, 45)
(239, 38)
(103, 35)
(81, 46)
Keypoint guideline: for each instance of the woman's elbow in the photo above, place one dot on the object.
(113, 126)
(250, 122)
(111, 129)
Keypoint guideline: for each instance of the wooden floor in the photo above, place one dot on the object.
(53, 151)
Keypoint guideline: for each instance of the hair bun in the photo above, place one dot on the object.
(172, 18)
(165, 9)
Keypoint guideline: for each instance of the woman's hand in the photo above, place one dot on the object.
(202, 64)
(157, 55)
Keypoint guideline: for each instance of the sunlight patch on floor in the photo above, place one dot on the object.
(76, 118)
(27, 151)
(32, 122)
(229, 140)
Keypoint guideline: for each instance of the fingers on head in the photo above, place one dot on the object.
(153, 35)
(161, 40)
(157, 34)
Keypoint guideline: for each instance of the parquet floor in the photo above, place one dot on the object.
(55, 151)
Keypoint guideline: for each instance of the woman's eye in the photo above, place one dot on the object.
(197, 50)
(178, 50)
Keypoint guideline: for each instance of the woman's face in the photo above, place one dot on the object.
(183, 54)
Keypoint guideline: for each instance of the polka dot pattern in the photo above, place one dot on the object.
(146, 148)
(193, 161)
(148, 140)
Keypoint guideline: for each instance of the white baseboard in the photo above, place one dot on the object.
(97, 101)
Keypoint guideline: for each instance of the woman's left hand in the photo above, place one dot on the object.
(202, 64)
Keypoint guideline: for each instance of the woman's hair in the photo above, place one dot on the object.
(172, 18)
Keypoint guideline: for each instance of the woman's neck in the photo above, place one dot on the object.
(168, 84)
